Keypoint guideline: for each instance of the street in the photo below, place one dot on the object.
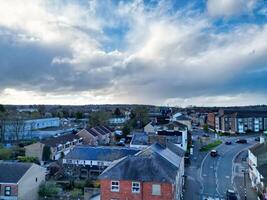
(210, 177)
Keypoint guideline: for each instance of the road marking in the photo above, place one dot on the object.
(227, 176)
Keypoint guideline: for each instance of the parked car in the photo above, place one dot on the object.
(121, 142)
(228, 142)
(257, 139)
(242, 141)
(231, 195)
(214, 153)
(205, 135)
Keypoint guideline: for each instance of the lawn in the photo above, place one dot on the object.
(211, 146)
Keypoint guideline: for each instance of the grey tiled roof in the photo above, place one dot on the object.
(55, 141)
(259, 149)
(99, 153)
(11, 172)
(154, 164)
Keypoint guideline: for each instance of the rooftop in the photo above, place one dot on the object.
(12, 172)
(154, 164)
(104, 153)
(63, 139)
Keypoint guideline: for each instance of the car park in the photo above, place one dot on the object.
(242, 141)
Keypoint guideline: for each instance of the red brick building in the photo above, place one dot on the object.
(155, 173)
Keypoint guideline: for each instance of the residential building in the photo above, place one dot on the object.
(155, 173)
(257, 161)
(58, 146)
(241, 121)
(181, 118)
(89, 161)
(20, 181)
(117, 120)
(89, 137)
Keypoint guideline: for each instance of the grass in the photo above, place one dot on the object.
(211, 146)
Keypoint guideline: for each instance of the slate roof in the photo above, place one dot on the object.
(62, 139)
(140, 138)
(182, 117)
(154, 164)
(259, 149)
(11, 172)
(169, 133)
(99, 153)
(92, 132)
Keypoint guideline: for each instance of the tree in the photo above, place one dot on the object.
(79, 115)
(2, 109)
(126, 130)
(206, 128)
(98, 118)
(46, 153)
(48, 190)
(140, 117)
(117, 112)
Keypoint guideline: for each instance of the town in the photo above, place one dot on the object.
(133, 152)
(133, 99)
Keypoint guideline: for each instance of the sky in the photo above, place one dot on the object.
(161, 52)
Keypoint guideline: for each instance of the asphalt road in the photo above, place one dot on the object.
(216, 173)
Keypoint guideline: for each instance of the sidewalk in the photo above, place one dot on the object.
(243, 185)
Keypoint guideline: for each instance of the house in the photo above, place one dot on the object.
(141, 140)
(20, 181)
(155, 173)
(117, 120)
(89, 137)
(88, 161)
(104, 134)
(257, 161)
(55, 146)
(178, 117)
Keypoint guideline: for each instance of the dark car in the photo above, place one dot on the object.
(213, 153)
(228, 142)
(231, 195)
(205, 135)
(257, 139)
(242, 141)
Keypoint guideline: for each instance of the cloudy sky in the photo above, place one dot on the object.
(176, 52)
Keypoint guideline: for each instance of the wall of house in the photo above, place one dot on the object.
(14, 191)
(149, 128)
(253, 172)
(35, 150)
(28, 185)
(167, 191)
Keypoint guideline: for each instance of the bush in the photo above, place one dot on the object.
(27, 159)
(76, 193)
(5, 154)
(48, 190)
(211, 146)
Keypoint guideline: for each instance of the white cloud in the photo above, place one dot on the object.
(163, 56)
(228, 8)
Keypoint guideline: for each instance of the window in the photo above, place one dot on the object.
(156, 189)
(8, 191)
(135, 187)
(115, 186)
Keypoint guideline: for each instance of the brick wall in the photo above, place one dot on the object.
(14, 189)
(167, 191)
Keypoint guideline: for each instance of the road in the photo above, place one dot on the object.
(216, 173)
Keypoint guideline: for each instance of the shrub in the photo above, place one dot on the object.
(48, 190)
